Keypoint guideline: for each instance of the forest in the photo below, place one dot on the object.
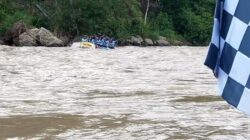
(185, 20)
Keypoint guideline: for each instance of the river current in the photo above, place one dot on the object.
(126, 93)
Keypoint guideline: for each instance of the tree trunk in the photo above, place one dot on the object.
(146, 13)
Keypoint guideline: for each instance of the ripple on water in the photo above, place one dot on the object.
(112, 94)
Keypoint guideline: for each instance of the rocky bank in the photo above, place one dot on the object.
(22, 35)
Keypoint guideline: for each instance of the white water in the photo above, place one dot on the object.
(126, 93)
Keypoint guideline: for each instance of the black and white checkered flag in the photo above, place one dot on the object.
(229, 52)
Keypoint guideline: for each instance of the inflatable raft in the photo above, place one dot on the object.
(87, 45)
(83, 45)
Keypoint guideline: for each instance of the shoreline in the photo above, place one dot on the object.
(98, 48)
(20, 35)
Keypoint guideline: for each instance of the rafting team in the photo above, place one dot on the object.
(100, 41)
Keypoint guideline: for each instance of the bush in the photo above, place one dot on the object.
(8, 17)
(195, 28)
(89, 17)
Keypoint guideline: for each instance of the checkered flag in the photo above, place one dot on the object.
(229, 52)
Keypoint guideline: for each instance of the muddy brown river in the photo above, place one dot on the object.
(128, 93)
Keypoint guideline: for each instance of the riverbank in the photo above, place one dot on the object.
(21, 34)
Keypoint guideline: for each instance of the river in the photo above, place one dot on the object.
(125, 93)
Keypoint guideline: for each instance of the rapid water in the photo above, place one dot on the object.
(126, 93)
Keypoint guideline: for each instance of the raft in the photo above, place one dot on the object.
(87, 45)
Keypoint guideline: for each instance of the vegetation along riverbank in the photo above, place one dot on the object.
(131, 22)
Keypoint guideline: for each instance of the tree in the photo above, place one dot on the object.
(178, 19)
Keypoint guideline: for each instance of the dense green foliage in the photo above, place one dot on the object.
(8, 16)
(185, 20)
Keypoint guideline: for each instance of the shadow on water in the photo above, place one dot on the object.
(49, 126)
(198, 99)
(30, 126)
